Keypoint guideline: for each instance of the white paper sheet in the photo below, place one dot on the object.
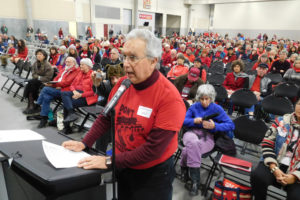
(60, 157)
(19, 135)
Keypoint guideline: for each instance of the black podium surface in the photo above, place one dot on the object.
(31, 164)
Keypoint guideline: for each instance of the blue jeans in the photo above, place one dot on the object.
(46, 96)
(69, 103)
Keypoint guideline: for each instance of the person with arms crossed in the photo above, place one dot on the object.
(149, 115)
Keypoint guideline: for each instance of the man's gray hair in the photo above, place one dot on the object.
(206, 90)
(115, 50)
(283, 52)
(153, 44)
(73, 60)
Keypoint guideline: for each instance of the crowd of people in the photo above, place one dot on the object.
(83, 74)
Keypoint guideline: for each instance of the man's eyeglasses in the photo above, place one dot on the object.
(132, 59)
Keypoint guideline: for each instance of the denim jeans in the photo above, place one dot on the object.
(69, 103)
(46, 96)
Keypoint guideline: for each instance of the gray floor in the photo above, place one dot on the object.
(11, 117)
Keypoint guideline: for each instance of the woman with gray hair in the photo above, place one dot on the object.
(200, 137)
(80, 94)
(281, 65)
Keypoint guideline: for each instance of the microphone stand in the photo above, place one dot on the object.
(112, 132)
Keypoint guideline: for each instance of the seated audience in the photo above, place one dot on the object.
(103, 87)
(281, 65)
(200, 137)
(113, 59)
(179, 69)
(230, 57)
(198, 64)
(260, 85)
(85, 52)
(22, 52)
(62, 56)
(204, 58)
(188, 84)
(42, 72)
(10, 52)
(73, 53)
(80, 94)
(281, 160)
(292, 75)
(166, 56)
(54, 56)
(53, 90)
(236, 79)
(262, 59)
(189, 55)
(96, 58)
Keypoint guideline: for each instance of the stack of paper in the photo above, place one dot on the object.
(60, 157)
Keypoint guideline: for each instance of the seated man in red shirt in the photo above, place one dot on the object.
(260, 85)
(166, 56)
(149, 115)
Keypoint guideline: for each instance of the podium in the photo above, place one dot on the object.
(32, 176)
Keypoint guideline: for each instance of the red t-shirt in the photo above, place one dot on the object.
(256, 84)
(140, 111)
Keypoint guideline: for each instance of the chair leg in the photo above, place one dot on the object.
(83, 122)
(177, 156)
(10, 87)
(209, 178)
(5, 84)
(56, 107)
(16, 93)
(244, 148)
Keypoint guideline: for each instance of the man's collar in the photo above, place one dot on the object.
(148, 82)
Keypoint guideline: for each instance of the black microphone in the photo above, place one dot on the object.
(114, 100)
(208, 117)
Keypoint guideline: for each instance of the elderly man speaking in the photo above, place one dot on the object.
(148, 117)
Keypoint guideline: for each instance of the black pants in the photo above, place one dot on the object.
(261, 178)
(154, 183)
(33, 88)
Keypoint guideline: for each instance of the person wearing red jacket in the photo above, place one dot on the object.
(189, 55)
(166, 56)
(262, 59)
(230, 57)
(204, 58)
(60, 83)
(235, 80)
(81, 91)
(54, 55)
(179, 69)
(22, 52)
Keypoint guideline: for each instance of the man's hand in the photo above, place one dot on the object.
(96, 81)
(73, 145)
(208, 124)
(76, 95)
(257, 94)
(93, 162)
(198, 120)
(48, 84)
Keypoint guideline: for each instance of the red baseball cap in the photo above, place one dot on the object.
(194, 74)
